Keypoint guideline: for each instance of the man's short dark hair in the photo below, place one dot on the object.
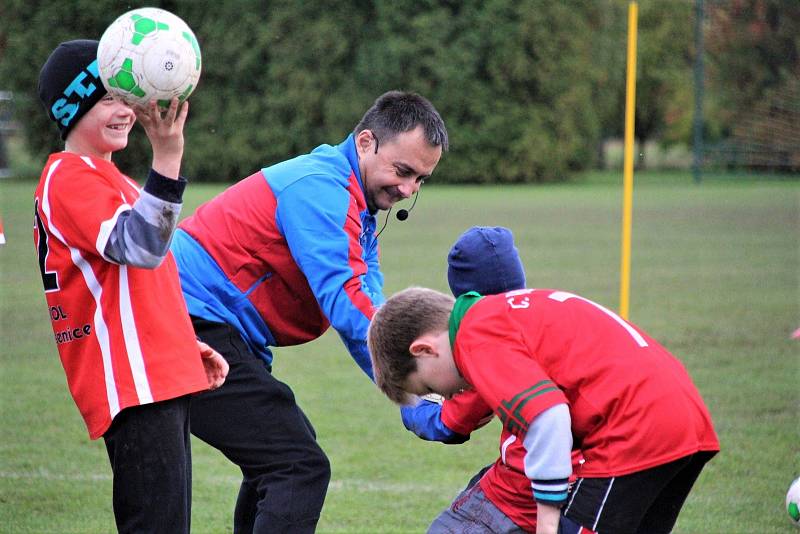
(395, 112)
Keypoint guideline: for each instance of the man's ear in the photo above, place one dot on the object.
(423, 347)
(364, 141)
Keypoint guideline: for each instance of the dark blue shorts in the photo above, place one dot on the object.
(648, 501)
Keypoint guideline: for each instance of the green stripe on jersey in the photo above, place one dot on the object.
(510, 411)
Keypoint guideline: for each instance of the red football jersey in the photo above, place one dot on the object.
(633, 405)
(123, 333)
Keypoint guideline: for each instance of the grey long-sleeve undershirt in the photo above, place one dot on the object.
(142, 234)
(548, 464)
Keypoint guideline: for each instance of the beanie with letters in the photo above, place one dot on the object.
(69, 83)
(485, 259)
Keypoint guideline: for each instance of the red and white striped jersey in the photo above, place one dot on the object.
(122, 332)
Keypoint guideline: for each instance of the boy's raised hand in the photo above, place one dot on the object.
(165, 131)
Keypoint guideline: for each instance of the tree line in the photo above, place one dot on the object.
(528, 88)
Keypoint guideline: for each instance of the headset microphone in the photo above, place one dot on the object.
(402, 215)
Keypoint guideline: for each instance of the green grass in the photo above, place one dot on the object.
(714, 277)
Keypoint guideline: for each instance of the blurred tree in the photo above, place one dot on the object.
(513, 79)
(754, 81)
(664, 71)
(527, 88)
(664, 84)
(609, 29)
(753, 48)
(277, 82)
(28, 33)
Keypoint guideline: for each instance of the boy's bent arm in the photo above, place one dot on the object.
(93, 213)
(141, 236)
(548, 463)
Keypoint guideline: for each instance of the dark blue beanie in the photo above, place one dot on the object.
(69, 83)
(484, 259)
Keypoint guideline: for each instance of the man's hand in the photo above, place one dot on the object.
(215, 365)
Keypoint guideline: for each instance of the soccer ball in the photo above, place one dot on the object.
(793, 502)
(433, 397)
(149, 54)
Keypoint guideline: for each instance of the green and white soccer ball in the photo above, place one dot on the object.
(793, 502)
(149, 54)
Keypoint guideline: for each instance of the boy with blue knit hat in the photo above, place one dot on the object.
(562, 373)
(497, 499)
(483, 259)
(120, 323)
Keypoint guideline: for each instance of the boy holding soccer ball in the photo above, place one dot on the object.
(561, 372)
(121, 326)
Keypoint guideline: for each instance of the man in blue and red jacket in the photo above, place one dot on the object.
(274, 261)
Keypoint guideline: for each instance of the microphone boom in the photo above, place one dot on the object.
(402, 214)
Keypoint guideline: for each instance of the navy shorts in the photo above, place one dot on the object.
(647, 501)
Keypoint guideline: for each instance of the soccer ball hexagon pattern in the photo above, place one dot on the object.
(149, 54)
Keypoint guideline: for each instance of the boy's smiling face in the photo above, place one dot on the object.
(436, 370)
(103, 129)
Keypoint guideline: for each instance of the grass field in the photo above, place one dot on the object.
(715, 273)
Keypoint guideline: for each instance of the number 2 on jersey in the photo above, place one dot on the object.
(49, 278)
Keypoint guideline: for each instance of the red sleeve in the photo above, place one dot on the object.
(492, 357)
(464, 412)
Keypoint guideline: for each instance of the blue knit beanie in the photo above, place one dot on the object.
(484, 259)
